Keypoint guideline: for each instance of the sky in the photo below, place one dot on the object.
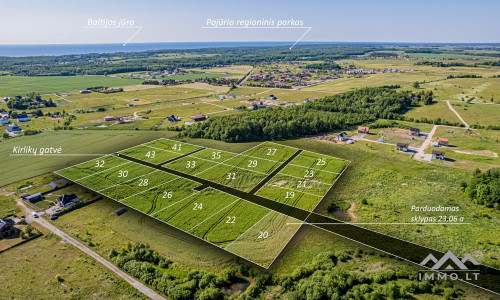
(438, 21)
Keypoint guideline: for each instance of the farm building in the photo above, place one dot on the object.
(34, 198)
(442, 142)
(402, 147)
(23, 118)
(13, 128)
(4, 121)
(199, 118)
(5, 115)
(109, 118)
(231, 96)
(438, 154)
(363, 130)
(67, 200)
(414, 131)
(84, 91)
(222, 97)
(6, 229)
(341, 137)
(53, 185)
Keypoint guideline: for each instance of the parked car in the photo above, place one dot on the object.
(35, 215)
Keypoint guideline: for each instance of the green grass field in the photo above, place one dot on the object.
(158, 198)
(264, 242)
(437, 110)
(78, 146)
(48, 256)
(18, 85)
(481, 114)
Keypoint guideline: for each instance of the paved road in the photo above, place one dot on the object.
(456, 113)
(67, 238)
(421, 151)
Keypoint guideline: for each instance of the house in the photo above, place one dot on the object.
(172, 118)
(6, 229)
(199, 118)
(84, 91)
(53, 185)
(222, 97)
(136, 99)
(402, 147)
(130, 104)
(13, 128)
(363, 130)
(414, 131)
(109, 118)
(4, 121)
(271, 97)
(231, 96)
(23, 118)
(438, 155)
(259, 106)
(5, 115)
(34, 198)
(65, 200)
(341, 137)
(442, 142)
(121, 211)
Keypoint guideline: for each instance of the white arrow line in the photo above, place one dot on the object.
(140, 28)
(309, 28)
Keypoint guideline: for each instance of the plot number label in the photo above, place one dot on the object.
(198, 206)
(216, 155)
(176, 147)
(191, 164)
(122, 173)
(167, 195)
(99, 164)
(143, 182)
(309, 174)
(263, 234)
(231, 220)
(302, 183)
(271, 151)
(231, 176)
(151, 154)
(290, 195)
(252, 163)
(321, 162)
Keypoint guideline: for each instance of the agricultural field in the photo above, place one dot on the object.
(220, 218)
(469, 146)
(462, 89)
(437, 110)
(11, 86)
(47, 257)
(481, 114)
(78, 146)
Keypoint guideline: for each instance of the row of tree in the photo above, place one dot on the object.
(327, 114)
(319, 279)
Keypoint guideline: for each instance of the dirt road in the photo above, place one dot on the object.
(67, 238)
(456, 113)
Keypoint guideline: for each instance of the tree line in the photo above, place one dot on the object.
(323, 115)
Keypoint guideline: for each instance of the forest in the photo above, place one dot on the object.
(323, 115)
(484, 188)
(319, 279)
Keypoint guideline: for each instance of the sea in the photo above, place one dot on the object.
(65, 49)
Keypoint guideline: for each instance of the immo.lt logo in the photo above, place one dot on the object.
(448, 267)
